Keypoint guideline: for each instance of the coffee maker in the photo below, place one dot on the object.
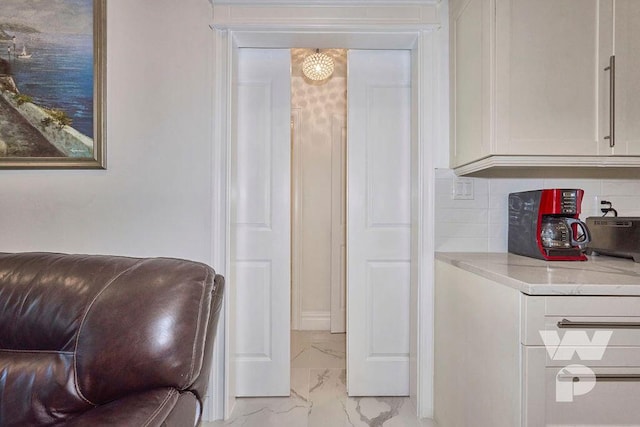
(544, 224)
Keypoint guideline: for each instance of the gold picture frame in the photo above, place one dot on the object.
(28, 121)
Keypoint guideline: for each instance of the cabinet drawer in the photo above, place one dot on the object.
(620, 315)
(591, 306)
(564, 396)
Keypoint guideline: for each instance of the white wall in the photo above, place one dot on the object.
(155, 197)
(317, 104)
(480, 225)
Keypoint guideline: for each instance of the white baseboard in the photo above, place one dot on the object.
(315, 321)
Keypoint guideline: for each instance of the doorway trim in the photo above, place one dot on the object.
(410, 25)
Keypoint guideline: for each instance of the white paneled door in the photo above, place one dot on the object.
(261, 229)
(378, 222)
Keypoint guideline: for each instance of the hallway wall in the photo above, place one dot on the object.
(317, 104)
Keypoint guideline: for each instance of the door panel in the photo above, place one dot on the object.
(261, 235)
(378, 222)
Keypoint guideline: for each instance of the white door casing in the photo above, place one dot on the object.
(261, 229)
(338, 224)
(378, 222)
(425, 33)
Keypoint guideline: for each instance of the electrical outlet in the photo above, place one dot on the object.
(463, 189)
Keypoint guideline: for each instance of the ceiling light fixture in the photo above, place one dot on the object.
(318, 66)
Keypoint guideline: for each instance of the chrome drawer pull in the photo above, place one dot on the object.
(603, 377)
(617, 377)
(567, 324)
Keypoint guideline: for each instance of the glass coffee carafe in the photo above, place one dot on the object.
(563, 233)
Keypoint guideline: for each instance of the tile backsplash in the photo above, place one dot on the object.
(480, 224)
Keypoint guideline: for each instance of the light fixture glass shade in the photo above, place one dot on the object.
(317, 66)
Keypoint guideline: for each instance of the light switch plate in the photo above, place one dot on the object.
(463, 189)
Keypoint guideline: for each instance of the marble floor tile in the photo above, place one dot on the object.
(381, 411)
(300, 383)
(317, 350)
(327, 395)
(319, 394)
(321, 336)
(329, 354)
(267, 412)
(300, 351)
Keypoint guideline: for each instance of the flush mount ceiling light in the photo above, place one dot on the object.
(317, 66)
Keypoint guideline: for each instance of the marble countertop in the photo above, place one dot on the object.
(600, 275)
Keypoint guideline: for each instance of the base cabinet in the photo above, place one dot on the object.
(477, 351)
(493, 368)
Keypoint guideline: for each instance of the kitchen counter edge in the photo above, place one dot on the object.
(599, 276)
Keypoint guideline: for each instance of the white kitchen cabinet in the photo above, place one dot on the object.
(627, 53)
(492, 368)
(529, 88)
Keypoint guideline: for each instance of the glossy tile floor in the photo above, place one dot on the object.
(318, 394)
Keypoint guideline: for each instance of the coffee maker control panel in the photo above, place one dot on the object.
(569, 202)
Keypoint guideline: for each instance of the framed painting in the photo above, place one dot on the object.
(52, 84)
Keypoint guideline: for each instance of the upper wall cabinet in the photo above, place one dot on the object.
(532, 84)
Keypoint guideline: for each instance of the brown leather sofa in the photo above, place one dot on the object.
(104, 340)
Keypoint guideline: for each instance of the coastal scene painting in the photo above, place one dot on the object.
(52, 83)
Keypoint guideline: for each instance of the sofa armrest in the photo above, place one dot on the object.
(163, 407)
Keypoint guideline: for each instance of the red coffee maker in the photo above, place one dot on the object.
(544, 224)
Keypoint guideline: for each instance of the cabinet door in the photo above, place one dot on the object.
(470, 71)
(627, 52)
(547, 77)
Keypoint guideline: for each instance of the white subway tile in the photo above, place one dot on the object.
(444, 186)
(499, 201)
(499, 216)
(624, 204)
(461, 245)
(506, 186)
(621, 187)
(498, 230)
(442, 173)
(591, 187)
(459, 230)
(498, 244)
(467, 216)
(445, 201)
(480, 186)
